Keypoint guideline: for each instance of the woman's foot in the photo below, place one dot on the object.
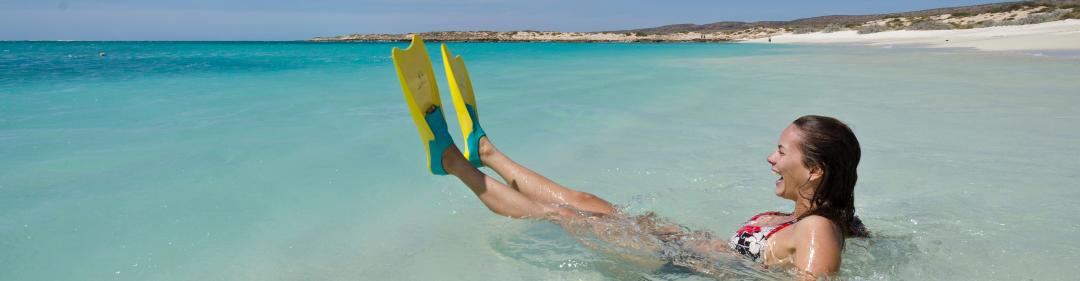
(422, 96)
(465, 104)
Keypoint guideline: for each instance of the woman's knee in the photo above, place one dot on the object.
(562, 213)
(592, 203)
(585, 197)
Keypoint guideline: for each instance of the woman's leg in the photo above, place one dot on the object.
(537, 187)
(512, 202)
(498, 198)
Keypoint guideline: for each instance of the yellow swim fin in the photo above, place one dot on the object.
(422, 95)
(461, 92)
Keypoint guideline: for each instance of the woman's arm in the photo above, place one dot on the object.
(818, 245)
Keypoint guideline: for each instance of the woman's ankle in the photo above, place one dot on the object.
(452, 160)
(486, 148)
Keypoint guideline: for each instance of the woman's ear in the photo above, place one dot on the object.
(816, 172)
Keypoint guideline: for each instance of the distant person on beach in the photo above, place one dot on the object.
(816, 159)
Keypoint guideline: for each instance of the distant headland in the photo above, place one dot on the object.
(966, 17)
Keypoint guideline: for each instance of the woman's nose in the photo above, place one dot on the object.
(770, 158)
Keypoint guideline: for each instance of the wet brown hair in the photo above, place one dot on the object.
(831, 146)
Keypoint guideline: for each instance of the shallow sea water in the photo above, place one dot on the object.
(298, 161)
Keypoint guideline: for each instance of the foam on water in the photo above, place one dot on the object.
(286, 161)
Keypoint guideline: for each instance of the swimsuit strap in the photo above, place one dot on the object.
(772, 213)
(778, 228)
(774, 230)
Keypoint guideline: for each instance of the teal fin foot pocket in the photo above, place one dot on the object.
(442, 141)
(474, 138)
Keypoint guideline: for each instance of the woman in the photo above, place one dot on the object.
(816, 159)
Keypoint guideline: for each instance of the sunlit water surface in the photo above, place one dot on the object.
(299, 161)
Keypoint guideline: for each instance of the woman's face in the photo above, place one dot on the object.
(787, 161)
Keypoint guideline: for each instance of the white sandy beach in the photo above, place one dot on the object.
(1051, 36)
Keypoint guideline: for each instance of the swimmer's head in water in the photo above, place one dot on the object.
(817, 159)
(830, 146)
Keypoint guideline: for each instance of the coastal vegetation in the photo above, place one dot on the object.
(1014, 15)
(966, 17)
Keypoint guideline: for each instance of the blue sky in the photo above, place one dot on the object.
(296, 20)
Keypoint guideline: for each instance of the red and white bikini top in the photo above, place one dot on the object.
(750, 239)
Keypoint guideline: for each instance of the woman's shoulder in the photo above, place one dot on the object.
(823, 225)
(818, 227)
(818, 243)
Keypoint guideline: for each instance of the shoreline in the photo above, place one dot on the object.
(1056, 36)
(544, 36)
(1027, 25)
(922, 27)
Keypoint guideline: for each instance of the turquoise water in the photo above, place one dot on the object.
(298, 161)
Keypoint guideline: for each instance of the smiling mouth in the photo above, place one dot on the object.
(781, 179)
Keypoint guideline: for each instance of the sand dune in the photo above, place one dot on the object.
(1051, 36)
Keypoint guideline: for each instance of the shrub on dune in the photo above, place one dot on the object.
(832, 27)
(804, 30)
(1073, 14)
(928, 25)
(1055, 15)
(873, 29)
